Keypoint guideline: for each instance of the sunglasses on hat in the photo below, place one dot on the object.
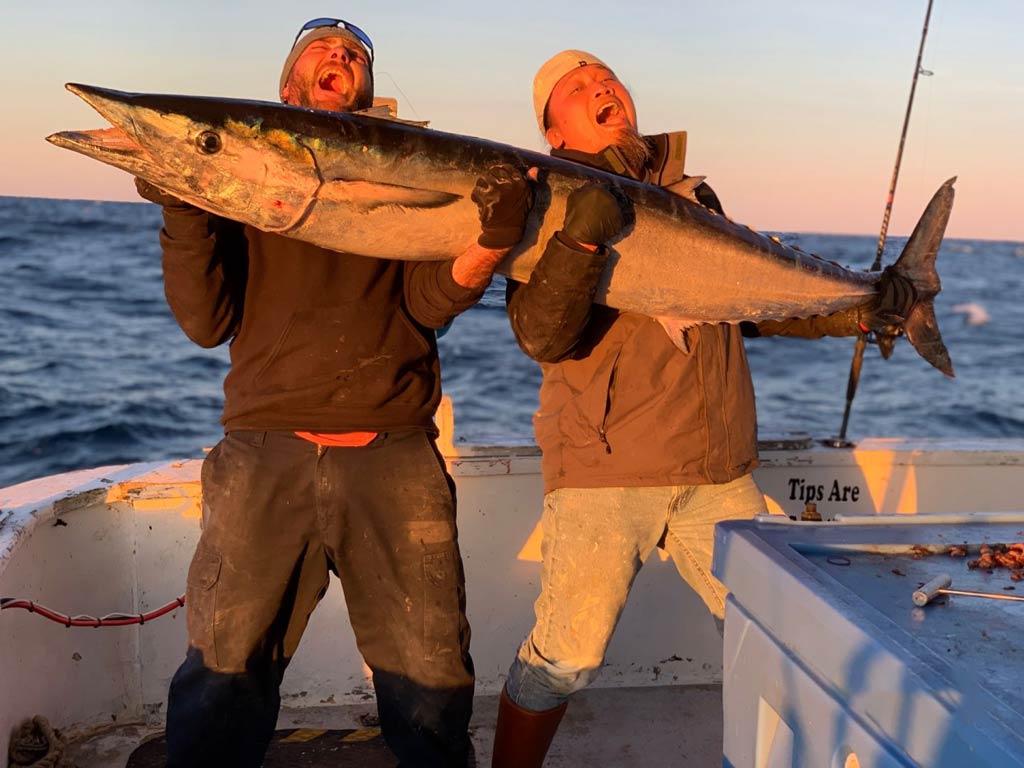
(327, 22)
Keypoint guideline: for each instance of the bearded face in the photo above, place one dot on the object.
(332, 73)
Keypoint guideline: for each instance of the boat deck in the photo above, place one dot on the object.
(678, 725)
(121, 538)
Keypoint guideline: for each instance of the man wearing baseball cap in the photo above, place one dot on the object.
(644, 444)
(329, 460)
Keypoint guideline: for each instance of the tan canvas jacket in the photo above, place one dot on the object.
(620, 405)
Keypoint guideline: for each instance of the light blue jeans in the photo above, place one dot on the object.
(595, 541)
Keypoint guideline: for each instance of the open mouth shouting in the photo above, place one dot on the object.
(334, 79)
(611, 113)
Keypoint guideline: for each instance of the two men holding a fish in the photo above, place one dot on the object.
(647, 425)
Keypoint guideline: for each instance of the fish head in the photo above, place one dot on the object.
(219, 155)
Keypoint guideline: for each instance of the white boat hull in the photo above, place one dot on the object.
(120, 539)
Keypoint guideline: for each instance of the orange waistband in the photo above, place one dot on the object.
(339, 439)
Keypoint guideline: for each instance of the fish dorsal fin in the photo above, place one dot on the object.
(388, 110)
(687, 187)
(677, 329)
(373, 194)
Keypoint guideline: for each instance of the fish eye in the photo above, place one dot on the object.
(209, 142)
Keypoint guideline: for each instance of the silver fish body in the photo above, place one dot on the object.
(382, 188)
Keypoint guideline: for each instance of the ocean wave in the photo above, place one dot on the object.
(94, 370)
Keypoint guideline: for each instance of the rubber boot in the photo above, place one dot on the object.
(522, 737)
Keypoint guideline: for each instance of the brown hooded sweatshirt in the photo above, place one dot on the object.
(320, 341)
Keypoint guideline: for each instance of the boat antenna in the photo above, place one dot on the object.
(858, 352)
(399, 89)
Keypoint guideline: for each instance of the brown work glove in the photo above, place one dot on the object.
(503, 196)
(154, 194)
(593, 215)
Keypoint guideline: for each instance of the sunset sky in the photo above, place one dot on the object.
(793, 107)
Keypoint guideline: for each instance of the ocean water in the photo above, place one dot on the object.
(94, 370)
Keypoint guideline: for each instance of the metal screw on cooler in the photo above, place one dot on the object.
(811, 513)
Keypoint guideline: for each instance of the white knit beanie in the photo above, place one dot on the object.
(553, 70)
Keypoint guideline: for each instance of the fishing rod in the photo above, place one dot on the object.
(858, 352)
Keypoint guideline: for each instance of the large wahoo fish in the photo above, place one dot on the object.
(384, 188)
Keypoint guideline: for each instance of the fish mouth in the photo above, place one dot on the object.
(99, 141)
(103, 143)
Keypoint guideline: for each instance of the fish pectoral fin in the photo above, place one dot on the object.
(371, 194)
(676, 328)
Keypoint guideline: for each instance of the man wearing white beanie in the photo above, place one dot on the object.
(329, 463)
(644, 445)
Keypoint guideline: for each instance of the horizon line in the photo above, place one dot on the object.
(777, 231)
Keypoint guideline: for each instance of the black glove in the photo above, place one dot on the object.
(503, 196)
(593, 215)
(895, 299)
(156, 195)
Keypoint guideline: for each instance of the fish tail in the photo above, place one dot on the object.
(917, 264)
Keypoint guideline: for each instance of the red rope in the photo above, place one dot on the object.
(110, 620)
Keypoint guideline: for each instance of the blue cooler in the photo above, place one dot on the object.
(828, 662)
